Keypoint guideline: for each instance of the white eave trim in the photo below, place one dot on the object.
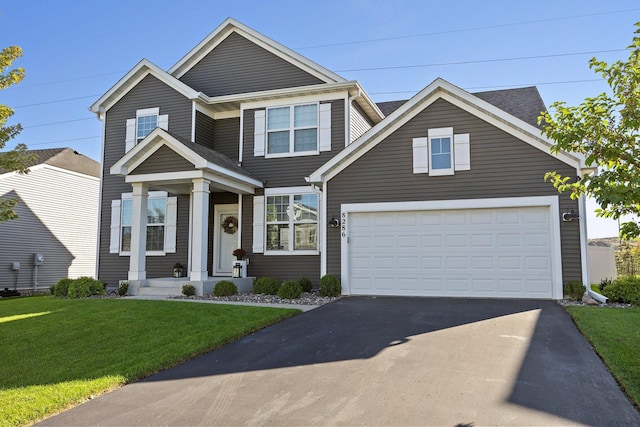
(229, 26)
(439, 88)
(133, 77)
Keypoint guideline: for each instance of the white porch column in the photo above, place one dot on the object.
(200, 229)
(137, 259)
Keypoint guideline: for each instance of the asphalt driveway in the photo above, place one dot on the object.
(384, 361)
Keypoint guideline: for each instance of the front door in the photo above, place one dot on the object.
(225, 238)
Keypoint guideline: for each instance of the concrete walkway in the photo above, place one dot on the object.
(384, 361)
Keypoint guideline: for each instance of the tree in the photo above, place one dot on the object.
(16, 159)
(605, 129)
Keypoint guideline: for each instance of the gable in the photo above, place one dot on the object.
(163, 160)
(237, 65)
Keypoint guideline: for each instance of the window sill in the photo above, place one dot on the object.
(148, 253)
(271, 253)
(294, 154)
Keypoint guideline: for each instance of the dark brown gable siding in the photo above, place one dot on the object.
(163, 160)
(237, 65)
(280, 267)
(501, 166)
(291, 171)
(204, 130)
(149, 93)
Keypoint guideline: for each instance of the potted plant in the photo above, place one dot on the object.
(239, 254)
(178, 270)
(240, 266)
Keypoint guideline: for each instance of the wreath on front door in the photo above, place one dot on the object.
(230, 225)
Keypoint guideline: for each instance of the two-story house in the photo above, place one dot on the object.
(246, 143)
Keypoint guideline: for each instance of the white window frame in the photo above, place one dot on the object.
(439, 133)
(291, 129)
(151, 196)
(146, 112)
(292, 192)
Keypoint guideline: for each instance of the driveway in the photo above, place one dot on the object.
(384, 361)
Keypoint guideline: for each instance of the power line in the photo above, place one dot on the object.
(480, 61)
(62, 140)
(57, 123)
(55, 101)
(487, 27)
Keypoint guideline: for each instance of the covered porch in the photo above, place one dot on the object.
(162, 162)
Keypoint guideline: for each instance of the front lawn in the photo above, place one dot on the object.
(615, 335)
(56, 353)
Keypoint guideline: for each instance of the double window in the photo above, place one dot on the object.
(292, 222)
(161, 224)
(292, 129)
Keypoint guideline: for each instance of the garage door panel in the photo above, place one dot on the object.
(503, 252)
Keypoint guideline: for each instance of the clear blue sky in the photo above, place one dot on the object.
(74, 51)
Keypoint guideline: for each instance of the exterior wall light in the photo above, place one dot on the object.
(570, 216)
(333, 223)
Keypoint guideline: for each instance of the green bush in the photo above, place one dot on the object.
(188, 290)
(603, 284)
(265, 285)
(84, 287)
(225, 288)
(624, 289)
(290, 290)
(62, 287)
(52, 289)
(123, 288)
(305, 284)
(330, 286)
(574, 289)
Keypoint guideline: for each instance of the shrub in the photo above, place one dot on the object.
(603, 284)
(305, 284)
(265, 285)
(330, 286)
(624, 289)
(574, 289)
(123, 288)
(225, 288)
(62, 287)
(84, 287)
(188, 290)
(290, 290)
(52, 289)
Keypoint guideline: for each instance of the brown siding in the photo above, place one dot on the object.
(285, 267)
(163, 160)
(291, 171)
(501, 166)
(149, 93)
(237, 65)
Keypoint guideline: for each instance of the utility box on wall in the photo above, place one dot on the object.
(38, 259)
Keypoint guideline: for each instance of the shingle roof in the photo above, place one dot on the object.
(64, 158)
(524, 103)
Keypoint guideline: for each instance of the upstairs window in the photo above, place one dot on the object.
(144, 126)
(292, 129)
(147, 119)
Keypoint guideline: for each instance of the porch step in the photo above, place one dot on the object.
(170, 286)
(160, 291)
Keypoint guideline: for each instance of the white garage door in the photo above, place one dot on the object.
(504, 252)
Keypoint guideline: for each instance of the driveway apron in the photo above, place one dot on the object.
(384, 361)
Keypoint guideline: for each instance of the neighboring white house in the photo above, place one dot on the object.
(58, 219)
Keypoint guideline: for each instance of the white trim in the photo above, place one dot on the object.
(420, 148)
(103, 119)
(295, 100)
(292, 191)
(259, 133)
(241, 137)
(462, 152)
(221, 115)
(194, 108)
(440, 133)
(322, 224)
(230, 25)
(324, 126)
(218, 210)
(584, 242)
(439, 89)
(155, 111)
(258, 224)
(509, 202)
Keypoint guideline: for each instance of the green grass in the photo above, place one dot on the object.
(56, 353)
(615, 335)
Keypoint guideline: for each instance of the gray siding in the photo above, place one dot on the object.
(285, 267)
(237, 65)
(163, 160)
(19, 240)
(149, 93)
(358, 122)
(226, 138)
(204, 130)
(291, 171)
(501, 166)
